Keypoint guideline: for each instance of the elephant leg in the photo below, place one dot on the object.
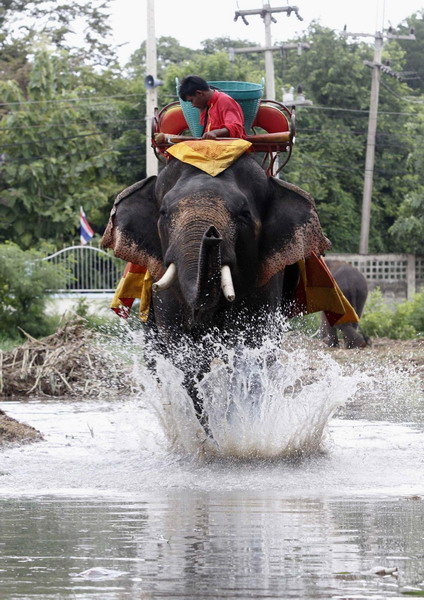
(153, 346)
(352, 337)
(328, 333)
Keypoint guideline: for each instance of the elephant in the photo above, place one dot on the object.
(354, 286)
(222, 250)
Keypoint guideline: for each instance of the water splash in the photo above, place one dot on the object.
(271, 401)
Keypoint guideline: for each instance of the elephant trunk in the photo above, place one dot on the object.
(197, 258)
(206, 291)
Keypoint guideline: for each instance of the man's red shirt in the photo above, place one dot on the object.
(224, 111)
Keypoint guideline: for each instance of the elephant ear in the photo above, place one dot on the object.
(291, 229)
(132, 230)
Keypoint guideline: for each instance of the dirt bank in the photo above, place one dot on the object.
(404, 355)
(73, 363)
(11, 431)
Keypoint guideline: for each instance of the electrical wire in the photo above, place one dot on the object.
(41, 141)
(403, 98)
(47, 125)
(28, 159)
(78, 99)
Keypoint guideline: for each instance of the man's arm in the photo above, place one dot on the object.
(215, 133)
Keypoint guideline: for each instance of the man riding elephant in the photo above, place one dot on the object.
(220, 115)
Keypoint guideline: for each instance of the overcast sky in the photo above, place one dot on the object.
(191, 21)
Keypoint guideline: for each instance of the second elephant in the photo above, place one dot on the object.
(354, 286)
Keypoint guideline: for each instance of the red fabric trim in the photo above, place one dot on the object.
(133, 268)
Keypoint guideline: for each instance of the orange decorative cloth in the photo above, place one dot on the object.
(212, 156)
(136, 282)
(317, 290)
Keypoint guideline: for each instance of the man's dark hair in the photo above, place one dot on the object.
(190, 84)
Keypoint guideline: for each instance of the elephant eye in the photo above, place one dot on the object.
(245, 214)
(163, 212)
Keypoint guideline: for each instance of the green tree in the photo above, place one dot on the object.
(55, 158)
(329, 156)
(408, 229)
(413, 66)
(24, 23)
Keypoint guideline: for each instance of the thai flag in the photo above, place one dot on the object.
(86, 233)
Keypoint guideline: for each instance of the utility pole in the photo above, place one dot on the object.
(370, 152)
(151, 91)
(266, 13)
(376, 67)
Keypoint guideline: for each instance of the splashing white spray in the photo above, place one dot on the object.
(271, 401)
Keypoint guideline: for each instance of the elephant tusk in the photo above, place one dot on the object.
(167, 280)
(227, 283)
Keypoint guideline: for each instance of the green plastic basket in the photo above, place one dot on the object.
(247, 94)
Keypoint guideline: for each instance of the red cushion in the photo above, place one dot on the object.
(172, 121)
(271, 119)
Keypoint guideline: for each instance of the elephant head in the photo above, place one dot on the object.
(213, 240)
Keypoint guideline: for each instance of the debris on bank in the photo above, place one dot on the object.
(66, 363)
(12, 431)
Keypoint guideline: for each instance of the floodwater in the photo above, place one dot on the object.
(313, 487)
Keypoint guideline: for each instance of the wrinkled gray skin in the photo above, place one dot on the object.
(257, 225)
(354, 286)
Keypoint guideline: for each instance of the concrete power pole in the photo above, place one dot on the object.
(376, 67)
(266, 13)
(151, 91)
(370, 153)
(269, 59)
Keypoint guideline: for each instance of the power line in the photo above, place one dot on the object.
(28, 159)
(77, 99)
(356, 110)
(43, 140)
(363, 112)
(404, 98)
(48, 125)
(307, 136)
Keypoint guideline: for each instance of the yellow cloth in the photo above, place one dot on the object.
(133, 285)
(318, 291)
(212, 156)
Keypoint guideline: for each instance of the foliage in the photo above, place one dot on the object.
(329, 156)
(414, 51)
(55, 157)
(26, 23)
(408, 229)
(24, 282)
(103, 324)
(404, 321)
(307, 324)
(72, 134)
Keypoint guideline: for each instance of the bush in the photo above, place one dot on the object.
(377, 318)
(25, 283)
(307, 324)
(417, 315)
(403, 322)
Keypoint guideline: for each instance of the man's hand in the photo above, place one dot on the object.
(216, 133)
